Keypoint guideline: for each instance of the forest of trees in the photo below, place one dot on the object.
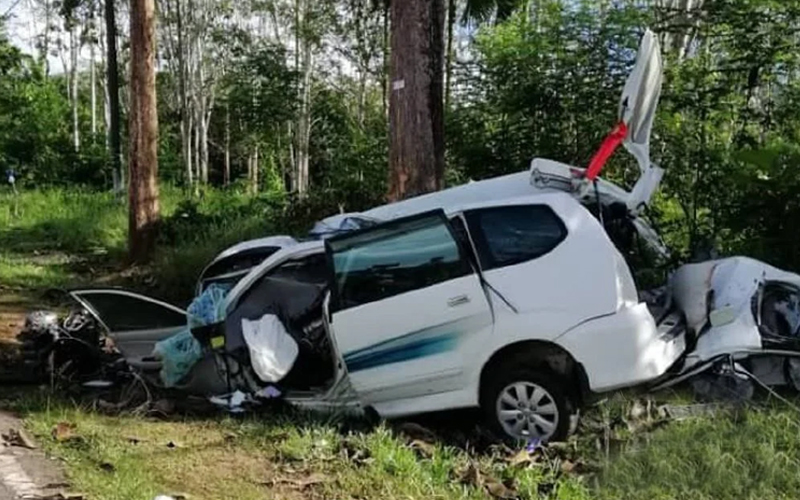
(294, 97)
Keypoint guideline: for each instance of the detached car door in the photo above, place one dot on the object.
(407, 309)
(134, 322)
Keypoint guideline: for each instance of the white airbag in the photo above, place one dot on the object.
(272, 350)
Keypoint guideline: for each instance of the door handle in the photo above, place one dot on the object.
(457, 301)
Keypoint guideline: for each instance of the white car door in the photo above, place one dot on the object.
(407, 308)
(134, 322)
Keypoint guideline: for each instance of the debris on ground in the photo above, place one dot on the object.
(18, 438)
(683, 412)
(473, 476)
(312, 479)
(58, 496)
(65, 432)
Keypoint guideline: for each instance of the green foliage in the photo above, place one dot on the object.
(541, 87)
(751, 457)
(545, 83)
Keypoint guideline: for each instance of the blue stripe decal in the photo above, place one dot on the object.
(369, 358)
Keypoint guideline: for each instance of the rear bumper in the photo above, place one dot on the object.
(623, 349)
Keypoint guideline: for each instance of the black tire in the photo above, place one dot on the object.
(556, 390)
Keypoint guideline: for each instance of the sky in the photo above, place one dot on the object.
(20, 27)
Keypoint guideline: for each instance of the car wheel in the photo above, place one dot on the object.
(524, 405)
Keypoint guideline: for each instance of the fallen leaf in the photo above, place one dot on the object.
(416, 431)
(64, 431)
(637, 411)
(471, 476)
(425, 450)
(498, 490)
(520, 458)
(19, 438)
(355, 453)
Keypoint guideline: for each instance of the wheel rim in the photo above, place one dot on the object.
(527, 410)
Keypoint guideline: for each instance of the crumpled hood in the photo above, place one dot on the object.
(717, 298)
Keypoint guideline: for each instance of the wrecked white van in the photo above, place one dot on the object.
(514, 294)
(508, 294)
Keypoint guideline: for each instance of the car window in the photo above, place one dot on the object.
(241, 261)
(395, 258)
(509, 235)
(127, 313)
(312, 269)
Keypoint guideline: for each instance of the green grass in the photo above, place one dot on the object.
(753, 456)
(733, 455)
(271, 457)
(62, 238)
(57, 237)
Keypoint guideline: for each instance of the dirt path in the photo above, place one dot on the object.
(13, 308)
(25, 472)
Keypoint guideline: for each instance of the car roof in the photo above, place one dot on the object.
(298, 250)
(270, 241)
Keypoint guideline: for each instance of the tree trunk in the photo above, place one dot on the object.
(451, 51)
(304, 123)
(143, 185)
(252, 170)
(197, 120)
(74, 47)
(255, 171)
(416, 119)
(113, 130)
(386, 75)
(227, 173)
(183, 75)
(202, 133)
(93, 84)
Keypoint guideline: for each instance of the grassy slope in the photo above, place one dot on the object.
(57, 238)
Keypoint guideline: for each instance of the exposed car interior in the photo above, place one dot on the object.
(294, 292)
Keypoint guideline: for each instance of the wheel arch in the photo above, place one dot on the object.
(549, 356)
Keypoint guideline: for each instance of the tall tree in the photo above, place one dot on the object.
(416, 107)
(143, 186)
(112, 87)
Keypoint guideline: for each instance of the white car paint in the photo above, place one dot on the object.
(582, 301)
(732, 326)
(270, 241)
(580, 296)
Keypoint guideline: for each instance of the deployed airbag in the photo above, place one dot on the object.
(272, 350)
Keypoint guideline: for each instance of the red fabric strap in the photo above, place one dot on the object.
(610, 143)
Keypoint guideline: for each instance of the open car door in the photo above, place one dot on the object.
(407, 306)
(134, 322)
